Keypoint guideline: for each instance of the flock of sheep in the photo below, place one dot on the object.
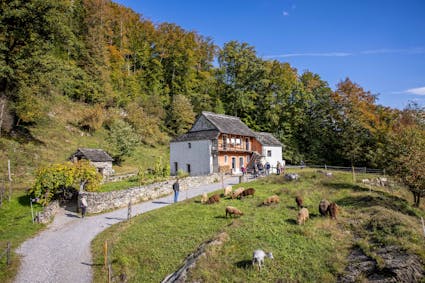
(326, 208)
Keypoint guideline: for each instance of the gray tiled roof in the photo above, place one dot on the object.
(267, 139)
(228, 124)
(92, 154)
(198, 135)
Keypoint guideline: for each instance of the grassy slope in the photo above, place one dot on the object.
(53, 140)
(154, 244)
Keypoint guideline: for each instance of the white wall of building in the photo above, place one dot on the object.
(276, 155)
(197, 155)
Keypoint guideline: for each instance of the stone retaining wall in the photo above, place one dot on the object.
(99, 202)
(48, 212)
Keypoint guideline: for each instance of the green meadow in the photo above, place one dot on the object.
(152, 245)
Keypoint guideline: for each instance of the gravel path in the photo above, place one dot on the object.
(61, 253)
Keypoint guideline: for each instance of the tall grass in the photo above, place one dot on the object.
(154, 244)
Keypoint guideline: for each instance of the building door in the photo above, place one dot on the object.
(233, 163)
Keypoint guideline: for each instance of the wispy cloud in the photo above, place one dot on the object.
(417, 91)
(415, 50)
(406, 51)
(285, 13)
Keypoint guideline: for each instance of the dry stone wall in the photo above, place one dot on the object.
(48, 212)
(99, 202)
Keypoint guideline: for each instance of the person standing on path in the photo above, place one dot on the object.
(176, 189)
(83, 206)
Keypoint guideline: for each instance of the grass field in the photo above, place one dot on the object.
(15, 226)
(154, 244)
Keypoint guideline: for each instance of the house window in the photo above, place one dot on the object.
(241, 162)
(232, 141)
(269, 153)
(247, 159)
(247, 144)
(225, 159)
(189, 145)
(188, 168)
(238, 141)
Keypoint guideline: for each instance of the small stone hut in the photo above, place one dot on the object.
(98, 157)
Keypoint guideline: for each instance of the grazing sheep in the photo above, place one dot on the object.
(247, 192)
(302, 216)
(291, 177)
(323, 207)
(299, 201)
(333, 210)
(228, 191)
(213, 199)
(237, 192)
(272, 199)
(258, 256)
(204, 198)
(233, 211)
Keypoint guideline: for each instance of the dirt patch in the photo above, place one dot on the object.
(396, 266)
(191, 260)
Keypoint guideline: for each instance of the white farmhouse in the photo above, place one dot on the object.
(271, 149)
(220, 143)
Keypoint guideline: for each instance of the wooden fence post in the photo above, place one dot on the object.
(10, 180)
(105, 254)
(8, 254)
(129, 210)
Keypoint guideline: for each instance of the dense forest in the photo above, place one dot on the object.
(147, 82)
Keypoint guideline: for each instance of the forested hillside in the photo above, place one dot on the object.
(93, 68)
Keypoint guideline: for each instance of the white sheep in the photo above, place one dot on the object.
(258, 256)
(228, 191)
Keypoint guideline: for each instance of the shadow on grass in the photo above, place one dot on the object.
(244, 264)
(291, 221)
(24, 200)
(384, 200)
(92, 264)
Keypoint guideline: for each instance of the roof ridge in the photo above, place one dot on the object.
(221, 115)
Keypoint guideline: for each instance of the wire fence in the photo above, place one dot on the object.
(342, 168)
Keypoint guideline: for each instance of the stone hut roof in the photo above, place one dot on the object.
(92, 154)
(267, 139)
(228, 124)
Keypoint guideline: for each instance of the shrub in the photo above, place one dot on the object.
(52, 179)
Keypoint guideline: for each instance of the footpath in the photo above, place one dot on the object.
(61, 253)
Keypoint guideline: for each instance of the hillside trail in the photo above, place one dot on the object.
(61, 252)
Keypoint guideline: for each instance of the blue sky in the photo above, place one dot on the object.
(379, 44)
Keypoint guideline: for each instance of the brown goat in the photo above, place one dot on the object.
(302, 216)
(333, 210)
(299, 201)
(323, 207)
(272, 199)
(247, 192)
(213, 199)
(233, 211)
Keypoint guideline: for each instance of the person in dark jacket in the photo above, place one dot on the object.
(176, 189)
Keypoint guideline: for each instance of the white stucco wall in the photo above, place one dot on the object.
(276, 156)
(198, 156)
